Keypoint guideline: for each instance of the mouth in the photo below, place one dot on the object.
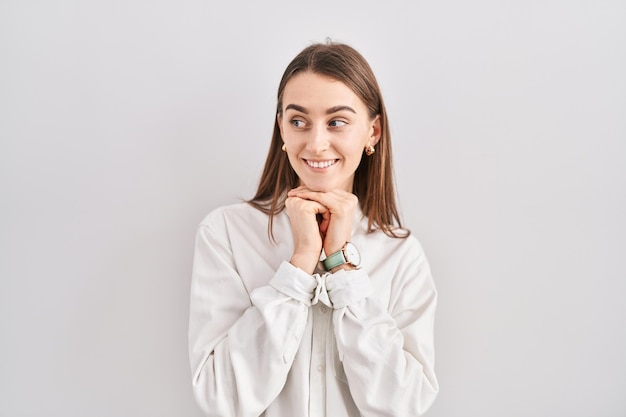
(321, 164)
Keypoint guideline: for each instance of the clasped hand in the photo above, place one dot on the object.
(319, 220)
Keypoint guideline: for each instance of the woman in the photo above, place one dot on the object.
(277, 328)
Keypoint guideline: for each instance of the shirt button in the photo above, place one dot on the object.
(324, 309)
(320, 368)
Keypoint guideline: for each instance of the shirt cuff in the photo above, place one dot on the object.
(347, 287)
(294, 283)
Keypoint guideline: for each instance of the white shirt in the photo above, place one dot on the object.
(268, 339)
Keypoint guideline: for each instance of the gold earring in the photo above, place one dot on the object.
(284, 148)
(369, 150)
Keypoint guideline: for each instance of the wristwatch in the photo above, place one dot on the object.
(349, 254)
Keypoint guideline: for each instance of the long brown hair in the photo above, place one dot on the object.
(373, 179)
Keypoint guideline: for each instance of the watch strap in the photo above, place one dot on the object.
(334, 260)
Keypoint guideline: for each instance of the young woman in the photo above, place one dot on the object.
(311, 299)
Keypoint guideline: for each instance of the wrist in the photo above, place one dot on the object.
(348, 257)
(344, 267)
(307, 263)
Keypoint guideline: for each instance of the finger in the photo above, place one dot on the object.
(306, 194)
(335, 201)
(295, 191)
(325, 222)
(309, 206)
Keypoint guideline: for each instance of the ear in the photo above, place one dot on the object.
(279, 121)
(375, 131)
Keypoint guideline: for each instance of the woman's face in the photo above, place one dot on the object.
(325, 127)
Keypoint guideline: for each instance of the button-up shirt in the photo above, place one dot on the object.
(268, 339)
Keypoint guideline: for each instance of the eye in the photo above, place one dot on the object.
(337, 123)
(297, 123)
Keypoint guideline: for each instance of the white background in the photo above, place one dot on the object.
(122, 123)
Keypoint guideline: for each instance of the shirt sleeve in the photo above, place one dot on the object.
(242, 345)
(387, 353)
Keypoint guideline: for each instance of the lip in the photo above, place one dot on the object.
(320, 164)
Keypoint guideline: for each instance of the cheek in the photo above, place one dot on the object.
(356, 143)
(352, 154)
(288, 134)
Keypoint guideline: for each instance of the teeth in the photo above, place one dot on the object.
(320, 164)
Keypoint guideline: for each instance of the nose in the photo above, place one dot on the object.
(318, 140)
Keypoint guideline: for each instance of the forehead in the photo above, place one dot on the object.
(317, 91)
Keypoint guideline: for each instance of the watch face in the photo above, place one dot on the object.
(352, 254)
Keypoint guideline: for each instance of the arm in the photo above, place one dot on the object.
(242, 345)
(388, 356)
(387, 351)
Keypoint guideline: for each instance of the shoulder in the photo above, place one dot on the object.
(412, 245)
(240, 221)
(407, 245)
(386, 256)
(236, 212)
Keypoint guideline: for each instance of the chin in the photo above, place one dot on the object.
(321, 188)
(324, 186)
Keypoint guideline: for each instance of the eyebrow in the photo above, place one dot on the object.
(329, 111)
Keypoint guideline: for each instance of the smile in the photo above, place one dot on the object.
(321, 164)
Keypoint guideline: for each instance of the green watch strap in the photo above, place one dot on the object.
(334, 260)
